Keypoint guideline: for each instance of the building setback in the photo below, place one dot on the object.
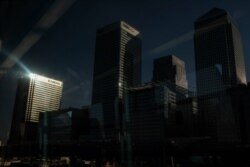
(117, 66)
(35, 94)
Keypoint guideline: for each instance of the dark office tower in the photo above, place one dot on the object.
(219, 66)
(170, 68)
(117, 66)
(218, 52)
(35, 94)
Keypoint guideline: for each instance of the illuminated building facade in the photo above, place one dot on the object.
(35, 94)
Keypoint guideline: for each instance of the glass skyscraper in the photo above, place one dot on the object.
(117, 66)
(35, 94)
(219, 66)
(218, 52)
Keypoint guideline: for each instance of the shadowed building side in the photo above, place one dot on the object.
(219, 57)
(219, 65)
(170, 68)
(117, 66)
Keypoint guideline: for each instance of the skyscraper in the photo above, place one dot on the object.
(219, 65)
(35, 94)
(117, 66)
(170, 68)
(218, 52)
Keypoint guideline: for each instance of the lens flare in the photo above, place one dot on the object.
(13, 60)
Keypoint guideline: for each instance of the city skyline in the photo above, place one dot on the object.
(147, 73)
(126, 103)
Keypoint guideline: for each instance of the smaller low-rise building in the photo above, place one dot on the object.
(157, 112)
(64, 125)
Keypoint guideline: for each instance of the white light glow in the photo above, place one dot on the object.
(31, 75)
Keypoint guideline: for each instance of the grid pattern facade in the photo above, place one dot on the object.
(218, 53)
(44, 95)
(148, 109)
(35, 94)
(219, 65)
(156, 113)
(117, 66)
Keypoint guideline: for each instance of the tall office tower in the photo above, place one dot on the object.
(170, 68)
(35, 94)
(117, 66)
(218, 52)
(219, 65)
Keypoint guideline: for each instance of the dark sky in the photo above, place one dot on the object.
(66, 50)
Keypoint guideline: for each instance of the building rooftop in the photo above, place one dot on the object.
(215, 12)
(118, 24)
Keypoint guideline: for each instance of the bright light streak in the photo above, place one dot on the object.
(172, 43)
(15, 60)
(48, 19)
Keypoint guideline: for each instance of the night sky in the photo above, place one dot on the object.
(66, 50)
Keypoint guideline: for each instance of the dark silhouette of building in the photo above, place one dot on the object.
(156, 118)
(219, 65)
(66, 124)
(219, 57)
(117, 66)
(240, 95)
(170, 68)
(158, 112)
(35, 94)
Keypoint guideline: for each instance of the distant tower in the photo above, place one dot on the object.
(35, 94)
(218, 52)
(170, 68)
(117, 66)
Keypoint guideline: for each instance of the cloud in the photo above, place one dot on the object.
(173, 43)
